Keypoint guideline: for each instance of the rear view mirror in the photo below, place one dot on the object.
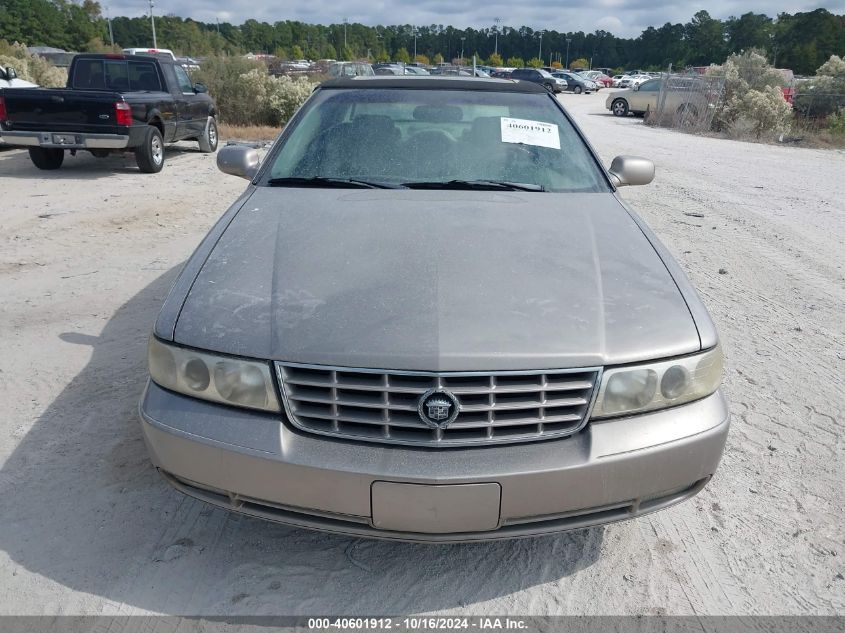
(631, 170)
(239, 160)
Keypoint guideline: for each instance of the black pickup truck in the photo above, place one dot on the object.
(112, 103)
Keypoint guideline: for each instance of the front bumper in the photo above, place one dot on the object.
(253, 463)
(65, 140)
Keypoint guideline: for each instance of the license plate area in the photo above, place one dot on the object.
(435, 509)
(65, 139)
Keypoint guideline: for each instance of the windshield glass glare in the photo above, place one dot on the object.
(400, 136)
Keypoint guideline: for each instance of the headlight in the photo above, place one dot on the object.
(243, 383)
(658, 385)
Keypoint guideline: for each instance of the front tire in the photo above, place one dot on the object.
(578, 90)
(45, 158)
(619, 107)
(210, 137)
(549, 87)
(150, 153)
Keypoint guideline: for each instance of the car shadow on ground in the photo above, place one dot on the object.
(82, 507)
(85, 166)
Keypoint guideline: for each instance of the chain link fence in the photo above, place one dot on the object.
(687, 101)
(818, 111)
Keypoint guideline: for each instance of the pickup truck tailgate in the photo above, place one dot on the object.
(61, 110)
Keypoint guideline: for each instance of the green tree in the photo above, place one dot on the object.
(422, 59)
(495, 60)
(750, 30)
(706, 39)
(515, 62)
(579, 63)
(535, 62)
(296, 52)
(438, 58)
(402, 56)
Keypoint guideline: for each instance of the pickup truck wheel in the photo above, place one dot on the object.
(619, 107)
(46, 158)
(209, 138)
(150, 153)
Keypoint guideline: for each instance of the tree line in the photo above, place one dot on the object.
(802, 41)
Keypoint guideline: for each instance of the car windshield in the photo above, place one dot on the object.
(406, 137)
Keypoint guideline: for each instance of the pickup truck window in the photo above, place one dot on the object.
(185, 84)
(116, 74)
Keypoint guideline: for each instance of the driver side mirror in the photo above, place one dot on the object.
(631, 170)
(11, 73)
(198, 88)
(239, 160)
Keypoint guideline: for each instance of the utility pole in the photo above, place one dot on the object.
(462, 50)
(540, 54)
(153, 22)
(218, 26)
(415, 44)
(111, 33)
(496, 40)
(345, 22)
(568, 42)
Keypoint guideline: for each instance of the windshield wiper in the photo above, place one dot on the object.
(482, 185)
(320, 181)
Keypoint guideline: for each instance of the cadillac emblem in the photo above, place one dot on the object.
(438, 408)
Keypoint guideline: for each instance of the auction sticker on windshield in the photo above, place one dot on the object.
(528, 132)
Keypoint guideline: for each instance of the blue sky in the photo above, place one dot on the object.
(624, 18)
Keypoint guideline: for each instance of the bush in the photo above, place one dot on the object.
(31, 67)
(836, 123)
(823, 95)
(247, 95)
(753, 98)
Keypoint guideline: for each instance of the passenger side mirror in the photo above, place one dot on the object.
(630, 170)
(11, 73)
(198, 88)
(239, 160)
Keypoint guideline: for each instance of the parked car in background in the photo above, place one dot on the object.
(188, 63)
(575, 83)
(628, 81)
(416, 70)
(600, 79)
(502, 74)
(455, 71)
(9, 79)
(616, 79)
(350, 69)
(112, 103)
(686, 96)
(539, 76)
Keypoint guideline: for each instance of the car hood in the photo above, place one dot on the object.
(436, 281)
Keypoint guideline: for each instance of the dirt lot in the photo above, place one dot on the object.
(86, 526)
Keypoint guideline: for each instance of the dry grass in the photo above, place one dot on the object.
(247, 132)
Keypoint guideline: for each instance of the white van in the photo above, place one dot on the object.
(162, 53)
(9, 79)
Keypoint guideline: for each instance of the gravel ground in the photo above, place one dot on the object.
(86, 526)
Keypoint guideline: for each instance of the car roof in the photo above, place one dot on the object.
(434, 82)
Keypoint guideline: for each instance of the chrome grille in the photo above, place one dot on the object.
(381, 406)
